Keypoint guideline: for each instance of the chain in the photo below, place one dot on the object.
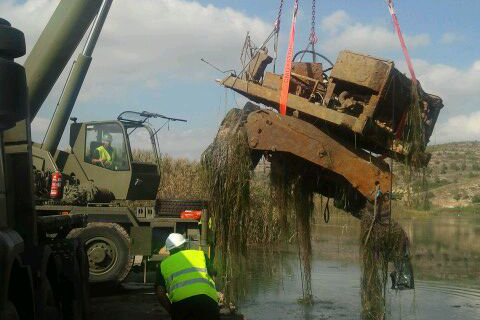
(277, 21)
(313, 35)
(276, 30)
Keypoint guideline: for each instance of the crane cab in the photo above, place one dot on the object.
(132, 168)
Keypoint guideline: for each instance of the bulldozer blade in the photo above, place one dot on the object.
(270, 132)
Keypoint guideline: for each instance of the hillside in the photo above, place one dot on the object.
(452, 178)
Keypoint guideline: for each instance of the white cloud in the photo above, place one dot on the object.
(39, 127)
(459, 128)
(459, 88)
(335, 20)
(189, 143)
(451, 37)
(343, 33)
(146, 40)
(30, 17)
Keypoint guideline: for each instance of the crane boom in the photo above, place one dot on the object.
(74, 83)
(55, 46)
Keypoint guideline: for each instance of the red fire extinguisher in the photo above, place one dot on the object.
(56, 188)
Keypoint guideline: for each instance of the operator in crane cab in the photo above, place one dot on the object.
(105, 154)
(184, 284)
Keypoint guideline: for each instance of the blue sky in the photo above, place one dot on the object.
(148, 56)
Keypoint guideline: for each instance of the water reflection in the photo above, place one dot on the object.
(445, 257)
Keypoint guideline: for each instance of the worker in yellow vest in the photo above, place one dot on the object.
(105, 154)
(184, 284)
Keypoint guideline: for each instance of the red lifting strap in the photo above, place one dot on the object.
(399, 130)
(288, 64)
(402, 41)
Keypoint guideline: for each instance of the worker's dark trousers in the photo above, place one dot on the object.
(200, 307)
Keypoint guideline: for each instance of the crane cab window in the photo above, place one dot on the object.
(142, 145)
(105, 146)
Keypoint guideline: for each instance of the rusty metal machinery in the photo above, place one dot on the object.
(341, 121)
(270, 132)
(363, 98)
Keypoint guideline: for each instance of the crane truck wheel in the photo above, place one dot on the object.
(10, 312)
(108, 250)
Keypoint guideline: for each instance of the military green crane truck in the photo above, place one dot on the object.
(43, 272)
(127, 224)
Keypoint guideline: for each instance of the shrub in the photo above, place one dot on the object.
(444, 169)
(420, 203)
(430, 195)
(454, 166)
(476, 198)
(180, 179)
(475, 166)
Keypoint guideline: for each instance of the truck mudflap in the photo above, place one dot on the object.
(272, 133)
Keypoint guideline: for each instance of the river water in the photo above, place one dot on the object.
(445, 253)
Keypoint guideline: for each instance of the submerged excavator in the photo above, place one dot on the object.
(341, 123)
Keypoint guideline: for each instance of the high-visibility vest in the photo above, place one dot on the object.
(186, 275)
(104, 155)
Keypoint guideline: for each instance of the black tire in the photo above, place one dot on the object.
(108, 250)
(10, 312)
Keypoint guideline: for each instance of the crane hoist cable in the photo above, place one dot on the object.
(288, 63)
(312, 39)
(396, 25)
(277, 32)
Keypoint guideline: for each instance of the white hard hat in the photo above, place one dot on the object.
(174, 240)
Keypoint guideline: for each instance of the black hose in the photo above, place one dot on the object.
(315, 53)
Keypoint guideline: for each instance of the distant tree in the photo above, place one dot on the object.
(476, 198)
(475, 166)
(444, 169)
(454, 166)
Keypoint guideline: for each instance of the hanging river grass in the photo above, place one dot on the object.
(227, 172)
